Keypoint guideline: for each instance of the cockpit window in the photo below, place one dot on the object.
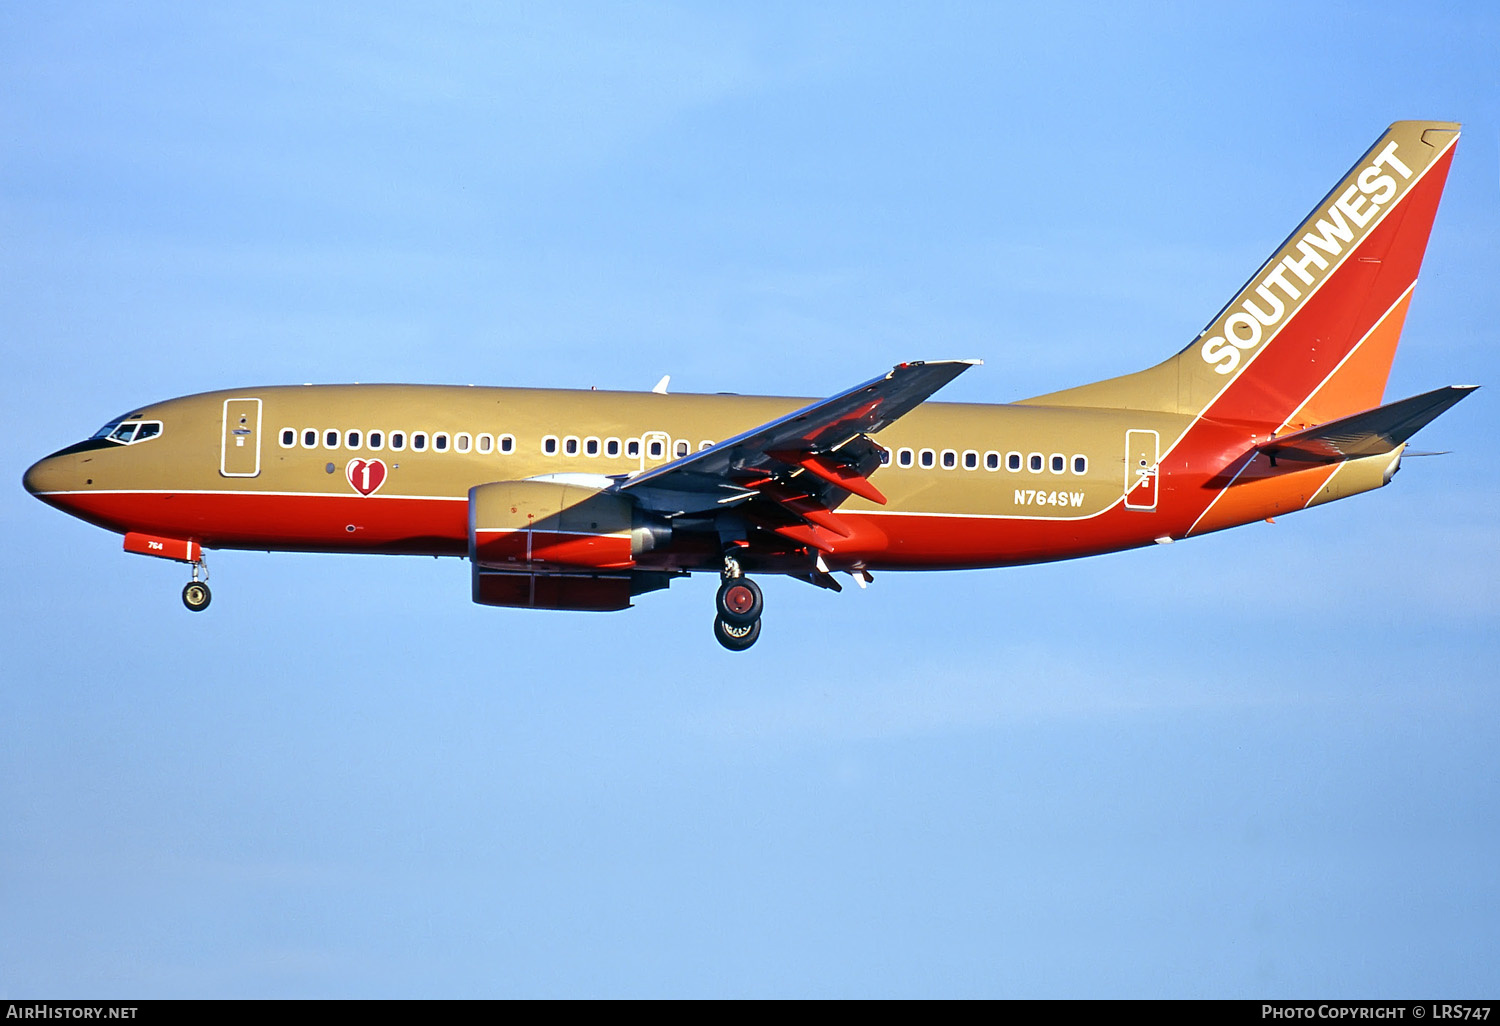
(129, 432)
(109, 428)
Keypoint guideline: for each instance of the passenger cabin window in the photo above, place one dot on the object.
(591, 447)
(310, 438)
(1080, 465)
(331, 439)
(1035, 462)
(549, 445)
(570, 445)
(484, 443)
(927, 458)
(633, 448)
(992, 460)
(657, 449)
(375, 440)
(507, 443)
(950, 459)
(398, 441)
(905, 457)
(419, 441)
(351, 440)
(705, 444)
(288, 438)
(440, 442)
(683, 448)
(1059, 463)
(1012, 461)
(462, 442)
(612, 447)
(971, 460)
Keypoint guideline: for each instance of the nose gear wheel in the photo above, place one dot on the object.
(195, 593)
(196, 596)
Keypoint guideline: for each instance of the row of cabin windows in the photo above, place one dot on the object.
(396, 441)
(951, 459)
(655, 445)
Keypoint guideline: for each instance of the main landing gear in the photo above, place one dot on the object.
(739, 603)
(195, 594)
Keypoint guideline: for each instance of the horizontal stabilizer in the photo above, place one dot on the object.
(1370, 433)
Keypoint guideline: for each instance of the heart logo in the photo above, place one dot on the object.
(366, 476)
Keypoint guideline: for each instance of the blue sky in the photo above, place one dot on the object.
(344, 779)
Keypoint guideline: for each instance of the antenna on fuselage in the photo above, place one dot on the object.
(660, 387)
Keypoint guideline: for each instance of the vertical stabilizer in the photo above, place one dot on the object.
(1310, 337)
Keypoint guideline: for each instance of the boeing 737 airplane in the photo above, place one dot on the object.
(583, 500)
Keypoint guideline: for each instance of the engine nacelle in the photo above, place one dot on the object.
(598, 593)
(548, 525)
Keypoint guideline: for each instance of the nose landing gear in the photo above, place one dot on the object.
(739, 604)
(195, 594)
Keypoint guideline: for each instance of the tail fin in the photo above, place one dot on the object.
(1310, 337)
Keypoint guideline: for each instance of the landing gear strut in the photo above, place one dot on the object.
(739, 603)
(195, 594)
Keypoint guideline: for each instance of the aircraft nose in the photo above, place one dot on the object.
(32, 479)
(45, 475)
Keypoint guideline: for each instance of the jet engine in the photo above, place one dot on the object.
(548, 544)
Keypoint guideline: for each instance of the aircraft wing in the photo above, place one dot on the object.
(826, 442)
(1365, 434)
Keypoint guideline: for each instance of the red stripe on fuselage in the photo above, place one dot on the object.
(398, 525)
(432, 526)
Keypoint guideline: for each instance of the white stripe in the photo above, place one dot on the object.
(544, 530)
(465, 498)
(1305, 400)
(1222, 492)
(1355, 349)
(246, 491)
(1325, 484)
(973, 516)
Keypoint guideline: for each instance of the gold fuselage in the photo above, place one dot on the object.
(163, 485)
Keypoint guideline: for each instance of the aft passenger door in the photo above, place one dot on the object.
(239, 453)
(1142, 453)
